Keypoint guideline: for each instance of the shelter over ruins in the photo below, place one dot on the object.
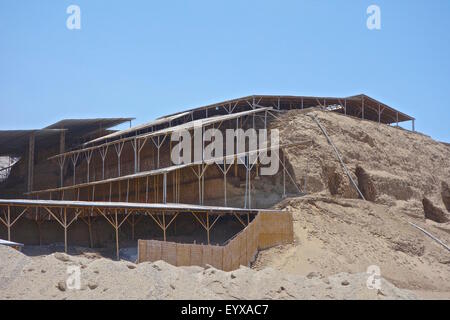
(79, 168)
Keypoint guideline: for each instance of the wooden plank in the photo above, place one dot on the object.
(183, 254)
(154, 251)
(169, 252)
(206, 255)
(196, 255)
(217, 257)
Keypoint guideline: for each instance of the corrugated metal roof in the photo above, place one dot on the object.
(244, 101)
(138, 128)
(184, 126)
(84, 127)
(15, 142)
(295, 99)
(77, 123)
(207, 121)
(126, 205)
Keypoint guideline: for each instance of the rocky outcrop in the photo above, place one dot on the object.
(374, 184)
(434, 212)
(339, 184)
(445, 195)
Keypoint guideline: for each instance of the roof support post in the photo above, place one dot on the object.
(89, 223)
(225, 170)
(88, 155)
(225, 188)
(413, 125)
(207, 226)
(265, 120)
(9, 223)
(116, 227)
(132, 227)
(164, 225)
(140, 145)
(115, 224)
(239, 219)
(379, 114)
(158, 146)
(31, 162)
(362, 107)
(65, 230)
(199, 186)
(203, 189)
(249, 188)
(135, 148)
(246, 181)
(74, 158)
(103, 151)
(7, 219)
(146, 189)
(119, 148)
(61, 161)
(165, 187)
(128, 190)
(157, 162)
(62, 141)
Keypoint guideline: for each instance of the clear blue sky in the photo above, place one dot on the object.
(145, 59)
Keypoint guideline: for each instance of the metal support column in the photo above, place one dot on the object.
(31, 162)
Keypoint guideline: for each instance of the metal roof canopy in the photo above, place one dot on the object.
(142, 174)
(184, 126)
(285, 100)
(15, 142)
(77, 127)
(374, 103)
(126, 205)
(159, 171)
(80, 209)
(390, 115)
(137, 128)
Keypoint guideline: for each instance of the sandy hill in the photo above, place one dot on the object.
(403, 175)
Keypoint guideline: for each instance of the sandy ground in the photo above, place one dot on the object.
(346, 235)
(45, 277)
